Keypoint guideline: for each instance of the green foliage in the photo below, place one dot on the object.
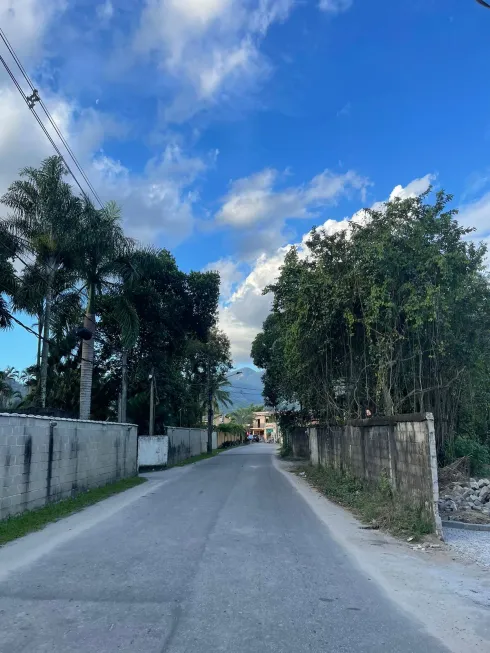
(244, 416)
(392, 315)
(375, 504)
(233, 428)
(136, 302)
(477, 453)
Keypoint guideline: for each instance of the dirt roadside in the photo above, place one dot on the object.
(447, 594)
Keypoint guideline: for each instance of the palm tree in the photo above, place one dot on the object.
(221, 397)
(101, 259)
(45, 216)
(7, 392)
(244, 416)
(8, 280)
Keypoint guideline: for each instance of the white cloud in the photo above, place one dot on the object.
(477, 215)
(25, 22)
(230, 274)
(254, 200)
(209, 47)
(335, 6)
(160, 200)
(414, 188)
(242, 314)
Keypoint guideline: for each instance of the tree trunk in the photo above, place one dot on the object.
(87, 366)
(46, 332)
(124, 386)
(40, 322)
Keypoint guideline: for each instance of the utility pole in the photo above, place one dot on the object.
(124, 386)
(210, 410)
(151, 430)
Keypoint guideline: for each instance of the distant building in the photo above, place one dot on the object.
(265, 426)
(220, 419)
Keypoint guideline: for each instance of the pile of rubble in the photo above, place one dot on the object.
(465, 496)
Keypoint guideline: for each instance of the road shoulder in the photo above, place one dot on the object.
(448, 595)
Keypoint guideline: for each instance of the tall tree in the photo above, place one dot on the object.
(44, 215)
(392, 315)
(101, 249)
(8, 280)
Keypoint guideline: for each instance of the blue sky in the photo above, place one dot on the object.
(228, 128)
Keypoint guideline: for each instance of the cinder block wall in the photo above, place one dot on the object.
(45, 459)
(184, 443)
(401, 448)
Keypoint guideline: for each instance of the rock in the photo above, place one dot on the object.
(467, 493)
(485, 494)
(451, 506)
(477, 508)
(457, 489)
(473, 498)
(483, 481)
(474, 485)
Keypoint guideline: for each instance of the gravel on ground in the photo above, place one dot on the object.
(473, 544)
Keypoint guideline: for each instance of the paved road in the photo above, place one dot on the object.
(225, 556)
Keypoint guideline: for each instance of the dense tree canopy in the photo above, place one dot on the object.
(390, 316)
(140, 314)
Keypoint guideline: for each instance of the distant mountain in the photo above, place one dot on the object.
(245, 388)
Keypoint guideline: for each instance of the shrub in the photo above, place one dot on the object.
(477, 453)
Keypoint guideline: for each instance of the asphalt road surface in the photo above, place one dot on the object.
(225, 556)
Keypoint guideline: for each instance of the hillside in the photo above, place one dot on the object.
(246, 388)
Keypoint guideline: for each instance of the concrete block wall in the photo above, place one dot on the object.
(152, 450)
(182, 443)
(401, 448)
(44, 459)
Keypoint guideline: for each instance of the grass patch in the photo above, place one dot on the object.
(188, 461)
(374, 504)
(33, 520)
(195, 459)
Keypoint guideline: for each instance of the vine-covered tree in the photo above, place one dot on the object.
(390, 316)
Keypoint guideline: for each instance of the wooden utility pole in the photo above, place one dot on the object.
(152, 403)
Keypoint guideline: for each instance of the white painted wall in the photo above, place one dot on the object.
(152, 450)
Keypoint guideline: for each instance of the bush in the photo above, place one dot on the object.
(477, 453)
(375, 503)
(286, 450)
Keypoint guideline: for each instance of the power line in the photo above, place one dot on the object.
(38, 336)
(30, 101)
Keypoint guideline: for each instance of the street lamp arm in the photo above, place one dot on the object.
(483, 3)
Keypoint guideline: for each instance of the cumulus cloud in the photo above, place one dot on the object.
(25, 23)
(230, 274)
(242, 314)
(476, 215)
(207, 46)
(158, 200)
(255, 199)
